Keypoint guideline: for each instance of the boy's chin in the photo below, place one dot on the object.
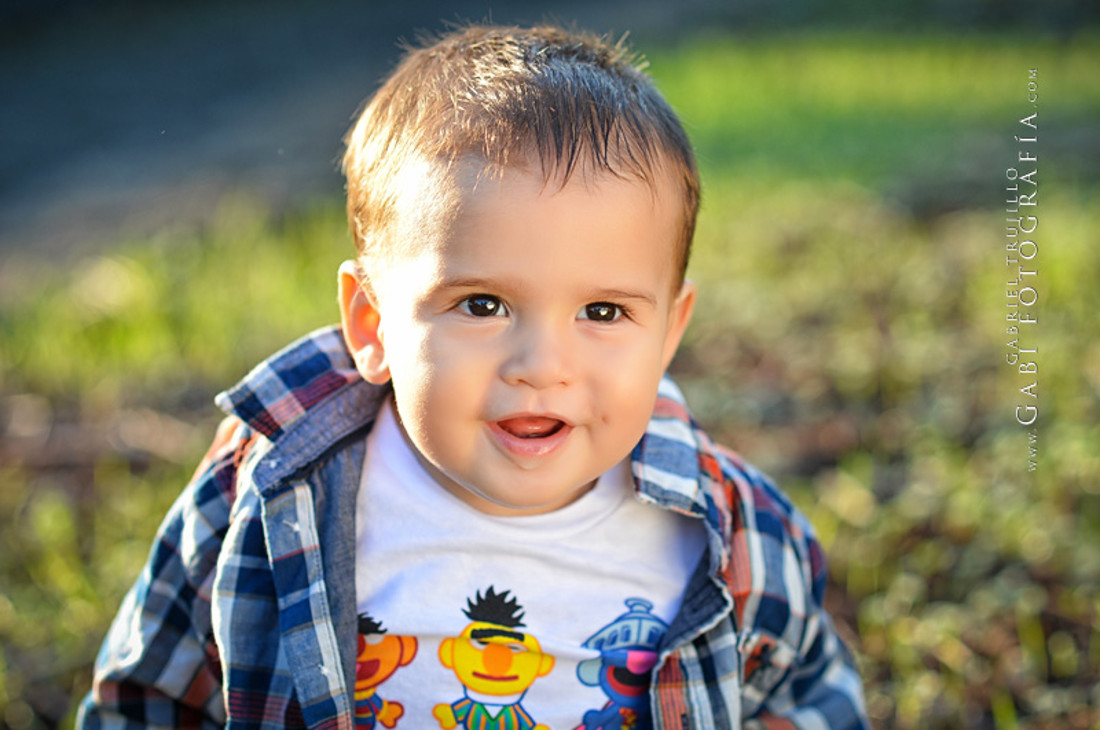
(514, 506)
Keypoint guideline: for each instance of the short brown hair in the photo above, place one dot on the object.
(507, 96)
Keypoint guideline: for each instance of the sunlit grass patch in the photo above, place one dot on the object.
(185, 309)
(871, 107)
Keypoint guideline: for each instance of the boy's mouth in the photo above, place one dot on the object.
(531, 427)
(530, 438)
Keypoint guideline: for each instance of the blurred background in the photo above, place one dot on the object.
(170, 213)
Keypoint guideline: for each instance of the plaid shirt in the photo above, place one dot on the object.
(245, 612)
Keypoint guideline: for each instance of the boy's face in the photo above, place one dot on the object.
(525, 332)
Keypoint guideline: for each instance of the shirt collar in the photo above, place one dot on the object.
(279, 391)
(677, 467)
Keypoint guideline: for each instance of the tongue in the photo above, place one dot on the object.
(530, 427)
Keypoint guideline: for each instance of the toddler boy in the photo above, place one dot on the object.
(479, 503)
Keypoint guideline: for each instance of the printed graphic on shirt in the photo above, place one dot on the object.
(496, 664)
(378, 658)
(628, 651)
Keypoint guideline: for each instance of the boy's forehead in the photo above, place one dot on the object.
(432, 196)
(425, 202)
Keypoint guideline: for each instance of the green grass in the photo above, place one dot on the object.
(850, 339)
(870, 109)
(181, 309)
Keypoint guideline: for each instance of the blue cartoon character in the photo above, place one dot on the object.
(496, 663)
(628, 651)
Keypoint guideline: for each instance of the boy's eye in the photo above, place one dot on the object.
(601, 312)
(483, 305)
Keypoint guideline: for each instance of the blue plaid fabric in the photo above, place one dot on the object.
(245, 616)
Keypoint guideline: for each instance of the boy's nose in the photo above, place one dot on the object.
(540, 357)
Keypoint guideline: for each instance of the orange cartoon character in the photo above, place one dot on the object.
(378, 658)
(496, 663)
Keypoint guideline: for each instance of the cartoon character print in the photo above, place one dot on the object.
(378, 657)
(496, 664)
(628, 651)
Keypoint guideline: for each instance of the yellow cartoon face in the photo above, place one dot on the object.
(494, 659)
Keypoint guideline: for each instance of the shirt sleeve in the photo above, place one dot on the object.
(158, 666)
(820, 687)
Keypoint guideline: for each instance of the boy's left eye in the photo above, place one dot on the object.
(601, 312)
(483, 305)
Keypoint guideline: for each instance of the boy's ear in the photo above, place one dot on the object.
(361, 324)
(678, 319)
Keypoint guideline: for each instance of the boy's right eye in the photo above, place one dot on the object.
(483, 305)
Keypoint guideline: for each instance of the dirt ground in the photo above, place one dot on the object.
(116, 121)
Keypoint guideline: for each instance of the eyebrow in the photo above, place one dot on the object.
(493, 633)
(643, 296)
(468, 282)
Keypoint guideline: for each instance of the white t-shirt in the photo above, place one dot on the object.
(505, 622)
